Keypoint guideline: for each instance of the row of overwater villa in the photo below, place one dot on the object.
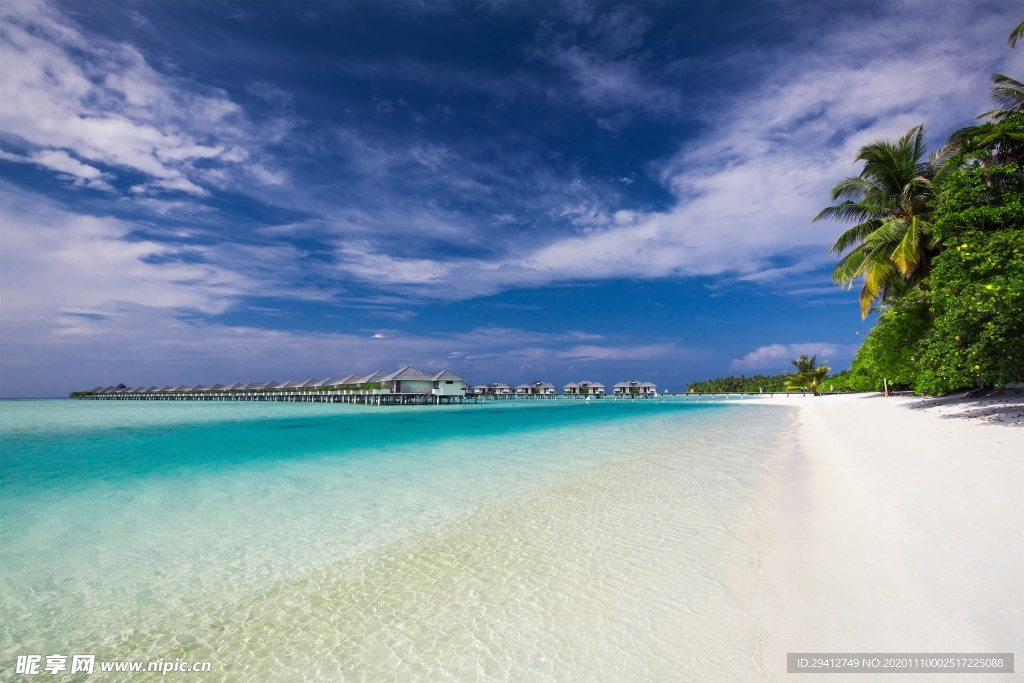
(405, 386)
(584, 389)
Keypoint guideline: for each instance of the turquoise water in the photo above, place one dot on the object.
(518, 541)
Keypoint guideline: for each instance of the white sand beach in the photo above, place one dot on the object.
(897, 525)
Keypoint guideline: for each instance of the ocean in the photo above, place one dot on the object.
(515, 540)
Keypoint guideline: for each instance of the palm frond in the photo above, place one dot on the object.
(855, 235)
(1008, 93)
(1015, 35)
(908, 253)
(849, 267)
(854, 187)
(846, 212)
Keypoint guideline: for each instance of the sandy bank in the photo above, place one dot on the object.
(896, 525)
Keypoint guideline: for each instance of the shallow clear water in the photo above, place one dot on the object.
(559, 541)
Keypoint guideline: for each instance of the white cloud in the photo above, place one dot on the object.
(777, 357)
(54, 261)
(76, 101)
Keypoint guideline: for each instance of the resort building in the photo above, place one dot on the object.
(584, 388)
(409, 380)
(499, 389)
(536, 389)
(368, 383)
(635, 388)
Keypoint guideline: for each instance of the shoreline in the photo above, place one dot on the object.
(891, 527)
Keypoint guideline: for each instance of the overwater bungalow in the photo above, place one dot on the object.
(369, 383)
(536, 389)
(542, 389)
(409, 380)
(635, 388)
(584, 388)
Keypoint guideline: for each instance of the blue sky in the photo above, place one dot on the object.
(218, 192)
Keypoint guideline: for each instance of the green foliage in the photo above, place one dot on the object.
(891, 350)
(767, 383)
(977, 285)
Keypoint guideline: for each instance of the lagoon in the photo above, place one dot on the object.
(521, 541)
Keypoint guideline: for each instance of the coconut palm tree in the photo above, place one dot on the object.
(808, 375)
(889, 204)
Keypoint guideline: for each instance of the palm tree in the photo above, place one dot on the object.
(1008, 94)
(889, 204)
(1016, 34)
(808, 374)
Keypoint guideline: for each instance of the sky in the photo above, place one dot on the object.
(202, 192)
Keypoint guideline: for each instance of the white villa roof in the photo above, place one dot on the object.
(260, 386)
(347, 381)
(447, 375)
(524, 386)
(543, 385)
(372, 378)
(633, 383)
(406, 373)
(591, 384)
(499, 385)
(571, 385)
